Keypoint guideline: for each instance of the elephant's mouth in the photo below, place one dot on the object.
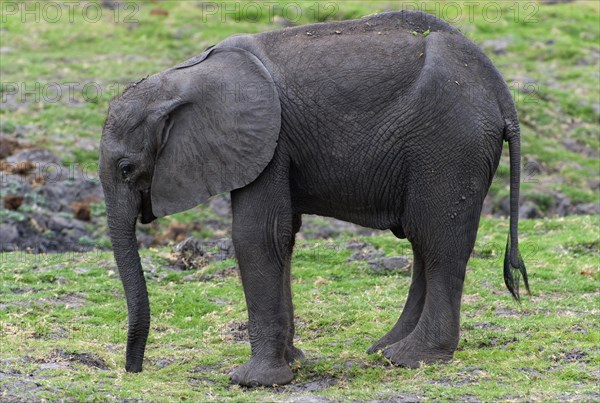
(146, 216)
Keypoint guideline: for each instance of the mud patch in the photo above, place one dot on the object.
(349, 365)
(574, 355)
(62, 359)
(22, 388)
(203, 369)
(71, 300)
(390, 265)
(162, 362)
(236, 332)
(497, 340)
(401, 398)
(311, 385)
(488, 326)
(470, 375)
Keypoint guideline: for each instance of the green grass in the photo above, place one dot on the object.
(63, 322)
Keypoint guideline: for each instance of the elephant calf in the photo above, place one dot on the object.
(394, 121)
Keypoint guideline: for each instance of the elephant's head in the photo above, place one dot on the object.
(207, 126)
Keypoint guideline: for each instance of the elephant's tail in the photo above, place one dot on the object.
(514, 267)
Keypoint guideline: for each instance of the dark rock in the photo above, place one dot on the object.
(58, 223)
(366, 255)
(8, 234)
(563, 204)
(364, 252)
(55, 196)
(11, 184)
(356, 245)
(504, 206)
(587, 209)
(390, 264)
(226, 250)
(529, 211)
(144, 240)
(38, 156)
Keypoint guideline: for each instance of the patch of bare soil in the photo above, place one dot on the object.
(17, 386)
(313, 384)
(237, 332)
(575, 355)
(46, 204)
(63, 359)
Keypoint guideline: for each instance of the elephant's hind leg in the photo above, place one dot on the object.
(445, 251)
(412, 309)
(436, 336)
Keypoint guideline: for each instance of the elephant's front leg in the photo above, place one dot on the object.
(292, 353)
(262, 233)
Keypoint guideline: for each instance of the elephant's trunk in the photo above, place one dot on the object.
(122, 210)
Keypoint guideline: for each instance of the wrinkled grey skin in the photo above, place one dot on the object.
(359, 120)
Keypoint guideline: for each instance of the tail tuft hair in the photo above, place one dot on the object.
(512, 274)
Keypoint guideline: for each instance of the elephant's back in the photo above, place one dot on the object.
(367, 104)
(395, 21)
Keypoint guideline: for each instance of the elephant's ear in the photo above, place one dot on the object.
(219, 129)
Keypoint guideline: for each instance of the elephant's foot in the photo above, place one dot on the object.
(293, 354)
(261, 372)
(400, 330)
(410, 353)
(390, 338)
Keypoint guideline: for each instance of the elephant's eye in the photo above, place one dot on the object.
(126, 169)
